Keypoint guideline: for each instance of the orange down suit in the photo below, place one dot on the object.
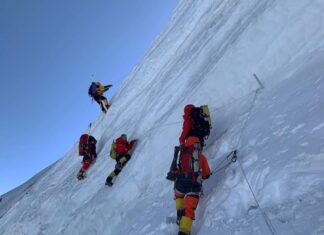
(187, 188)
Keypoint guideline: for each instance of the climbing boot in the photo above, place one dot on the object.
(103, 108)
(109, 181)
(183, 233)
(185, 225)
(81, 175)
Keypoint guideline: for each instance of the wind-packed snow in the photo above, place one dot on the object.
(207, 55)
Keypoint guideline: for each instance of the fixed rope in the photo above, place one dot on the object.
(231, 158)
(266, 218)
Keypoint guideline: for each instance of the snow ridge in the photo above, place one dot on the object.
(207, 55)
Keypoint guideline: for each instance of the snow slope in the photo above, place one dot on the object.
(207, 55)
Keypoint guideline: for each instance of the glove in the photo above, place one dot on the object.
(207, 177)
(171, 176)
(107, 87)
(200, 179)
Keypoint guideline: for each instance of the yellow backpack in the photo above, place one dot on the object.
(206, 112)
(113, 152)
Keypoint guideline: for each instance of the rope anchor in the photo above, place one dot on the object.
(234, 156)
(231, 158)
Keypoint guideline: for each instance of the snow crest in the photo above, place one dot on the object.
(207, 55)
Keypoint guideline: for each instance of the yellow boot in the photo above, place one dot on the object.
(185, 225)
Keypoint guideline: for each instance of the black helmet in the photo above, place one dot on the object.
(124, 136)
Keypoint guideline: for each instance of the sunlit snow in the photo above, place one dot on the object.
(207, 55)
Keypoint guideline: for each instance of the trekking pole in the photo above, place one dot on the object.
(90, 125)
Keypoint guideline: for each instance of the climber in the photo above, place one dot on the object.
(191, 171)
(96, 91)
(87, 149)
(121, 150)
(196, 122)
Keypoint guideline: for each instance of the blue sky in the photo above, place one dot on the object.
(50, 51)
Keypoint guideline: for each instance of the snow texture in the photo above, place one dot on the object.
(207, 55)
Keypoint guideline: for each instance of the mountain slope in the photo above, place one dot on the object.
(207, 55)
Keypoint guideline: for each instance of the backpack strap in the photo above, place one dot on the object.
(197, 173)
(195, 159)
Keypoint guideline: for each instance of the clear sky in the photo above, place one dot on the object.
(50, 51)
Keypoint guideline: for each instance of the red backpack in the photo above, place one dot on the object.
(85, 144)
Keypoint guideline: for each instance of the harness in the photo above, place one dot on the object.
(194, 174)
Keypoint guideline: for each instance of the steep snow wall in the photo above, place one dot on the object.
(207, 55)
